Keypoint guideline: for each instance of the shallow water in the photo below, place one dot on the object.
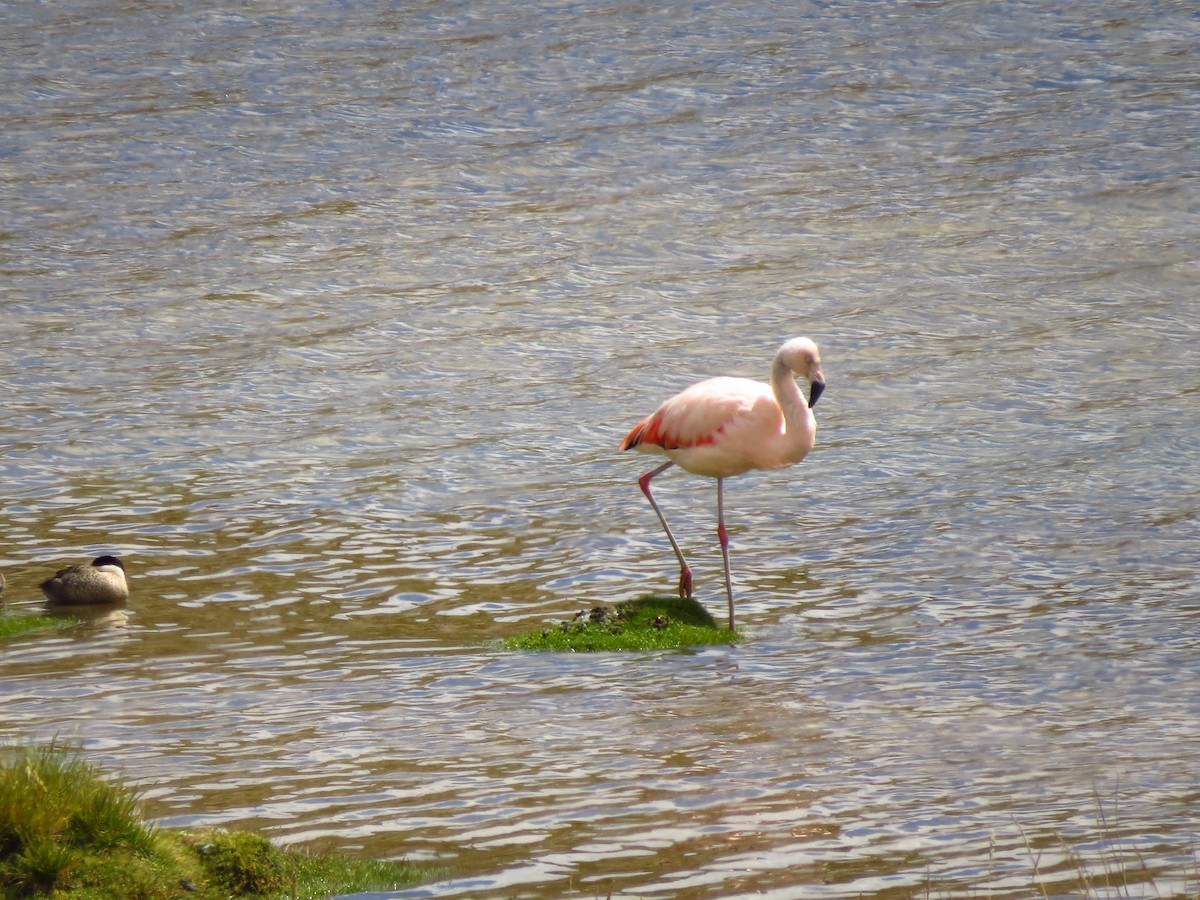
(329, 320)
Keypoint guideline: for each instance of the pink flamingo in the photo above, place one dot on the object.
(727, 426)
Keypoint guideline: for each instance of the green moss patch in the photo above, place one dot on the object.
(648, 623)
(66, 832)
(13, 624)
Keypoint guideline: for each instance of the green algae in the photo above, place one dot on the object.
(14, 624)
(648, 623)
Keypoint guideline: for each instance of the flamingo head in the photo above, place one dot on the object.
(802, 357)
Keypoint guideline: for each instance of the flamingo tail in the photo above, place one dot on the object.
(634, 438)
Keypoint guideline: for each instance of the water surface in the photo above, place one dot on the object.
(329, 320)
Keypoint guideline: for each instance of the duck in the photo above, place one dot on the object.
(101, 582)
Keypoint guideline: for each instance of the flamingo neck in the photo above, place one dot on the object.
(799, 424)
(787, 392)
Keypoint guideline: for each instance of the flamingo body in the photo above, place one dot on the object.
(724, 426)
(719, 427)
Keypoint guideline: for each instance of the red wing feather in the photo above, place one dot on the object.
(652, 430)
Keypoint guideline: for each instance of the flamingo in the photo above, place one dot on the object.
(726, 426)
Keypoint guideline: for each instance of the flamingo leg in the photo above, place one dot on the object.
(685, 572)
(723, 535)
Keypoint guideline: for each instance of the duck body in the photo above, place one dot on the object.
(100, 583)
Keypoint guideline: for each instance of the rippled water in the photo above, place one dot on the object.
(329, 319)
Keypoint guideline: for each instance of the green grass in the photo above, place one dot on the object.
(66, 832)
(13, 624)
(649, 623)
(327, 876)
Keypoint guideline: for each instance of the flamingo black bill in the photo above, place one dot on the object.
(814, 393)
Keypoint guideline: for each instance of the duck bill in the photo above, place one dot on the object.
(814, 392)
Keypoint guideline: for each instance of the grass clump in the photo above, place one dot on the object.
(63, 828)
(242, 864)
(66, 832)
(13, 624)
(648, 623)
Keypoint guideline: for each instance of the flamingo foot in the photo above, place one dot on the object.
(685, 583)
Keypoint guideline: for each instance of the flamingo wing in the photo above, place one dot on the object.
(699, 415)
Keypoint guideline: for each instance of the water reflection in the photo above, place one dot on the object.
(330, 320)
(96, 615)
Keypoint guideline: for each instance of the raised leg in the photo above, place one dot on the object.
(685, 572)
(723, 535)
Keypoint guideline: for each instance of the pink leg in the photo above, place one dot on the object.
(685, 572)
(723, 535)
